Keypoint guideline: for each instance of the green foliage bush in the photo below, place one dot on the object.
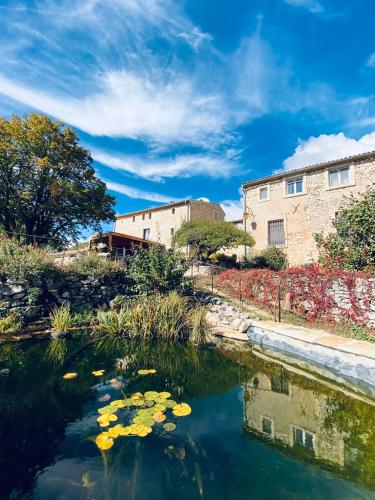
(271, 258)
(61, 318)
(223, 260)
(157, 270)
(352, 247)
(23, 261)
(94, 266)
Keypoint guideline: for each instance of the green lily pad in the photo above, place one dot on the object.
(169, 427)
(106, 409)
(170, 403)
(159, 407)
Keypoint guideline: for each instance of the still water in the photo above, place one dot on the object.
(256, 431)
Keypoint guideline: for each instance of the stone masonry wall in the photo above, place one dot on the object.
(35, 298)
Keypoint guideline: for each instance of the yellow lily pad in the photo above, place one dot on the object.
(169, 403)
(165, 395)
(104, 441)
(98, 373)
(70, 375)
(159, 407)
(181, 410)
(159, 416)
(106, 409)
(118, 403)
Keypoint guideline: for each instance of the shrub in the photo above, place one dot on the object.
(61, 318)
(157, 270)
(224, 260)
(94, 266)
(352, 247)
(270, 258)
(9, 325)
(23, 261)
(83, 317)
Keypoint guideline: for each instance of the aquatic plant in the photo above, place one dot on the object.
(143, 411)
(9, 325)
(61, 318)
(114, 322)
(166, 317)
(199, 325)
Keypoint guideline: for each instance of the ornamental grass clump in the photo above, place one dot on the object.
(9, 325)
(199, 325)
(114, 322)
(171, 317)
(61, 318)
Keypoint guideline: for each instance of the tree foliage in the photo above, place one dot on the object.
(48, 187)
(352, 247)
(208, 237)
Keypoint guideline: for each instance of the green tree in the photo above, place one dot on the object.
(209, 237)
(352, 247)
(48, 186)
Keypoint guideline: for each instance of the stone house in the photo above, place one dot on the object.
(292, 416)
(159, 224)
(286, 209)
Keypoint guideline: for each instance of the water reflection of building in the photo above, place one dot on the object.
(292, 416)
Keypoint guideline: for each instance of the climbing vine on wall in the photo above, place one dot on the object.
(313, 292)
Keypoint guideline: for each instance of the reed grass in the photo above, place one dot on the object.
(199, 325)
(61, 318)
(9, 325)
(165, 317)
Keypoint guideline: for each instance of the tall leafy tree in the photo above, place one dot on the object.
(208, 237)
(48, 187)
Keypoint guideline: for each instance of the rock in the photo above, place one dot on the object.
(244, 326)
(4, 372)
(65, 295)
(18, 296)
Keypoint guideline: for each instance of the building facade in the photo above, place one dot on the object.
(159, 224)
(286, 209)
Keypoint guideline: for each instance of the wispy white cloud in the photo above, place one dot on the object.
(132, 192)
(328, 147)
(157, 168)
(233, 209)
(371, 61)
(311, 5)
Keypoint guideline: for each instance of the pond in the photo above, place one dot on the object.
(256, 431)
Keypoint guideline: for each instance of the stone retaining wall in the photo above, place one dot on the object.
(34, 298)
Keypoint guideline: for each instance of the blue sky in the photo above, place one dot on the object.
(188, 99)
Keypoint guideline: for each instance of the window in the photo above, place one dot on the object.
(143, 216)
(263, 194)
(267, 425)
(146, 234)
(133, 218)
(294, 186)
(303, 438)
(279, 385)
(172, 231)
(338, 177)
(216, 216)
(149, 215)
(276, 234)
(173, 211)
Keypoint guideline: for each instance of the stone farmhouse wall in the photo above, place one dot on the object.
(306, 213)
(164, 221)
(36, 298)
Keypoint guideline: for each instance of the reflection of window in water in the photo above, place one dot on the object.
(280, 385)
(267, 425)
(303, 438)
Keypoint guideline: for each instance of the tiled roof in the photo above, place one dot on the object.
(309, 168)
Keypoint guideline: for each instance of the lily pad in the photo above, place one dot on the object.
(106, 409)
(70, 375)
(170, 403)
(104, 441)
(165, 395)
(181, 410)
(159, 416)
(98, 373)
(169, 427)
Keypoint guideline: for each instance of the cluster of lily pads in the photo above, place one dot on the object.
(150, 408)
